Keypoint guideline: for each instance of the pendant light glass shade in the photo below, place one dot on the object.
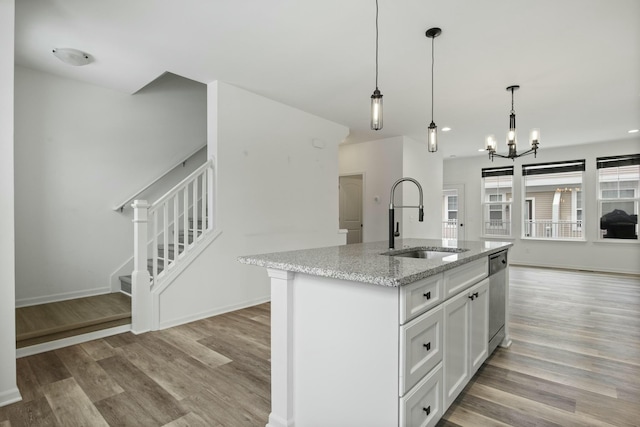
(376, 110)
(432, 138)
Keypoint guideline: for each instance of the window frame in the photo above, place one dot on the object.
(506, 221)
(610, 163)
(555, 231)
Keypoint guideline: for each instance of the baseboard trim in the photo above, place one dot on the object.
(215, 312)
(66, 342)
(10, 396)
(574, 268)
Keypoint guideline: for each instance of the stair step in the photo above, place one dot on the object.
(125, 281)
(71, 318)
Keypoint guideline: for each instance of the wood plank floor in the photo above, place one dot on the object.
(575, 361)
(48, 322)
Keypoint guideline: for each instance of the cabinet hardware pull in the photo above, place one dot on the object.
(471, 297)
(427, 410)
(427, 346)
(475, 294)
(427, 295)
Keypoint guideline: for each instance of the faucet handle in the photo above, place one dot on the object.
(397, 233)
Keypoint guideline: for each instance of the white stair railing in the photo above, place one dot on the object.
(164, 235)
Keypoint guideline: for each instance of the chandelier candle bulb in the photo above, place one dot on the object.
(534, 137)
(490, 144)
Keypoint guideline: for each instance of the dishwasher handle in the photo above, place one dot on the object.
(497, 262)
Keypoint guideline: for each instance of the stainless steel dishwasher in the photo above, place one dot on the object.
(497, 298)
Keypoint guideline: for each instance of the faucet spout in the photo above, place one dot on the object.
(392, 208)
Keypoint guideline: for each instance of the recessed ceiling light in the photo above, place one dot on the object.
(481, 149)
(631, 131)
(72, 56)
(446, 129)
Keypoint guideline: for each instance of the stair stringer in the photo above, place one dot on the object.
(171, 273)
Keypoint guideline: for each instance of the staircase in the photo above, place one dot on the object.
(126, 281)
(168, 235)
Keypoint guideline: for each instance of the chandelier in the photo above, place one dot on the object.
(512, 138)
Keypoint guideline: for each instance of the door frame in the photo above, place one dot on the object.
(364, 183)
(459, 188)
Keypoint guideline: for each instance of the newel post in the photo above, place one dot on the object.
(140, 278)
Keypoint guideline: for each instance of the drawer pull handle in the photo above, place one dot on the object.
(427, 410)
(471, 297)
(427, 295)
(427, 346)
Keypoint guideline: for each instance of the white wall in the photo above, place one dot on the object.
(80, 150)
(426, 167)
(383, 162)
(275, 192)
(8, 389)
(613, 256)
(380, 162)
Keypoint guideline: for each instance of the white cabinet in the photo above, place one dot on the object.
(353, 354)
(460, 278)
(420, 348)
(422, 406)
(466, 336)
(418, 297)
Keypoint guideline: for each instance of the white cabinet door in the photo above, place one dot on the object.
(479, 326)
(456, 346)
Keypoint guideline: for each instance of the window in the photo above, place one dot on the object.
(554, 200)
(497, 191)
(618, 196)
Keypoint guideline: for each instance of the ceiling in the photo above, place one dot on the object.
(577, 61)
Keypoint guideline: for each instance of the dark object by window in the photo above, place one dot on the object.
(619, 225)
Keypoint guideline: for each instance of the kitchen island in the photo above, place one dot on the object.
(361, 336)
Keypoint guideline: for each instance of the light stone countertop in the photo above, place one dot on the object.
(365, 263)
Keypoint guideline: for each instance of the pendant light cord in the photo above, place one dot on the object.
(376, 44)
(432, 62)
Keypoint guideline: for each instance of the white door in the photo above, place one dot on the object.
(351, 207)
(479, 332)
(456, 346)
(453, 219)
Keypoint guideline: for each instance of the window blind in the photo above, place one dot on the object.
(554, 167)
(501, 171)
(617, 161)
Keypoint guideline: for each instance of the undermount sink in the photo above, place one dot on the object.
(425, 253)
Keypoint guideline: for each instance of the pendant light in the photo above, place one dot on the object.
(512, 137)
(376, 98)
(432, 134)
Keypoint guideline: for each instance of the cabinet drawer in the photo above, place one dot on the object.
(420, 348)
(418, 297)
(422, 406)
(462, 277)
